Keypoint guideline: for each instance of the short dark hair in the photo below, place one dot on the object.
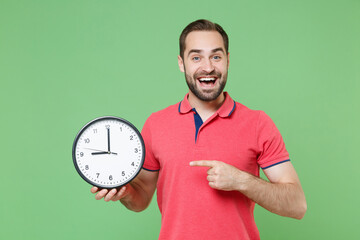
(202, 25)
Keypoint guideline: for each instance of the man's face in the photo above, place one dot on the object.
(205, 64)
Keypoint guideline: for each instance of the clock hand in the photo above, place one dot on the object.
(94, 149)
(99, 153)
(108, 134)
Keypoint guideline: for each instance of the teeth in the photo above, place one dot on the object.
(207, 79)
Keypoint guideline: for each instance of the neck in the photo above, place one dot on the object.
(206, 108)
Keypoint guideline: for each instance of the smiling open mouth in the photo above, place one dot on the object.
(207, 81)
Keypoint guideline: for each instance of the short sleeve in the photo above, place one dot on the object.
(150, 164)
(272, 149)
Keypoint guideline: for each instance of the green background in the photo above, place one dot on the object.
(63, 63)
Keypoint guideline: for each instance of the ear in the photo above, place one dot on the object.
(181, 64)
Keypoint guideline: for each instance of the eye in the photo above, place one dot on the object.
(196, 59)
(217, 57)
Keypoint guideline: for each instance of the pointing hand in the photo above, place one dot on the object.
(222, 176)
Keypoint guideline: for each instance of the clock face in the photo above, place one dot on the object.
(108, 152)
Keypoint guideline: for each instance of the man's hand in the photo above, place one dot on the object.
(110, 194)
(283, 195)
(136, 195)
(223, 176)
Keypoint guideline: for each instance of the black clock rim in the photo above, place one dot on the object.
(100, 119)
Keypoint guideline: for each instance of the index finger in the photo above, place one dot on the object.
(202, 163)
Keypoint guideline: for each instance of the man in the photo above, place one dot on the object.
(203, 154)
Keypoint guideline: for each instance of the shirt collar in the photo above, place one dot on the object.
(226, 109)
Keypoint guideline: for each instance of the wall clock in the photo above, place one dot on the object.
(108, 152)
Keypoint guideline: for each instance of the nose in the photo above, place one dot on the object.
(207, 66)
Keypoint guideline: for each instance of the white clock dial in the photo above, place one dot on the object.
(108, 152)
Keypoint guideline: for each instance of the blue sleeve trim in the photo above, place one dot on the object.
(151, 170)
(179, 106)
(232, 109)
(288, 160)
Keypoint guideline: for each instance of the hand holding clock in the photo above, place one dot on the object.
(114, 194)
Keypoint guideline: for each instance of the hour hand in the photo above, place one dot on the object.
(99, 153)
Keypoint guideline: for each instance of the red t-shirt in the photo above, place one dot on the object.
(190, 208)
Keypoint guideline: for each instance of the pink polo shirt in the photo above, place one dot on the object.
(190, 209)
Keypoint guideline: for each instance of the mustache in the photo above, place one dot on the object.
(212, 73)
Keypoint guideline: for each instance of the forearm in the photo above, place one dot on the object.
(285, 199)
(136, 199)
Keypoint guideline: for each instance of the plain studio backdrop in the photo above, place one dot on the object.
(63, 63)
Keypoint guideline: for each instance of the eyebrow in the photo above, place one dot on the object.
(217, 49)
(199, 51)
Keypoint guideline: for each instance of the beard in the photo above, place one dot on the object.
(206, 95)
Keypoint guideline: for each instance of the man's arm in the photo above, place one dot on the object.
(136, 195)
(283, 195)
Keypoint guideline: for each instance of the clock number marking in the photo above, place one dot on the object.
(100, 145)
